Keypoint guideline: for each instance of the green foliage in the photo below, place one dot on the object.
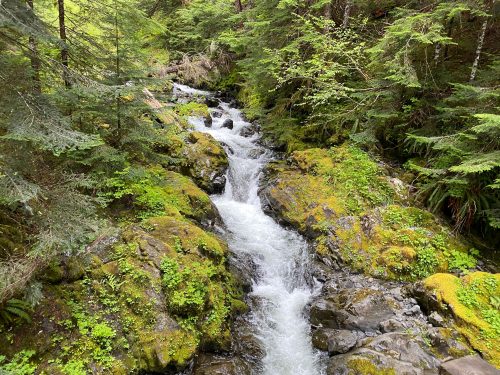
(20, 364)
(15, 309)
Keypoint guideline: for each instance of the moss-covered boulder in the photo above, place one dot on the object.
(473, 302)
(146, 303)
(139, 193)
(205, 162)
(346, 202)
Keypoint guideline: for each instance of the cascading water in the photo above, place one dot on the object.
(281, 289)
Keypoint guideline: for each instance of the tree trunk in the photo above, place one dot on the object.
(238, 6)
(347, 13)
(154, 9)
(34, 58)
(117, 67)
(480, 43)
(64, 41)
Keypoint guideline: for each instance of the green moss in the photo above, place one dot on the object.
(364, 366)
(192, 109)
(473, 301)
(341, 197)
(155, 192)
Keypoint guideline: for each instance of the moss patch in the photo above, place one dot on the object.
(474, 302)
(343, 199)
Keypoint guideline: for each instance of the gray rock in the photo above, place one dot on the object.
(395, 353)
(470, 365)
(228, 123)
(208, 121)
(362, 310)
(446, 343)
(334, 341)
(436, 320)
(211, 102)
(207, 364)
(391, 325)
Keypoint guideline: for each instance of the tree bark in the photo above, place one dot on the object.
(34, 58)
(154, 9)
(117, 67)
(479, 49)
(64, 41)
(347, 13)
(238, 6)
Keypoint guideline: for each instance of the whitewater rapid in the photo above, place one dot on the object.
(281, 288)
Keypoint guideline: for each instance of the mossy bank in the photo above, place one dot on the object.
(151, 296)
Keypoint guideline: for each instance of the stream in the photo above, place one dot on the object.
(279, 258)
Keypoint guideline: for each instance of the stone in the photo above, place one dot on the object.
(470, 365)
(208, 121)
(436, 320)
(206, 162)
(228, 123)
(334, 341)
(391, 325)
(362, 310)
(217, 114)
(211, 102)
(207, 364)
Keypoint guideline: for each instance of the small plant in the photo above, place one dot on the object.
(19, 365)
(15, 309)
(458, 260)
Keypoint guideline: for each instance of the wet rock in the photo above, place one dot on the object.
(211, 102)
(334, 341)
(250, 131)
(207, 364)
(228, 123)
(208, 121)
(217, 114)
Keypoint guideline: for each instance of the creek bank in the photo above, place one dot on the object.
(370, 242)
(158, 292)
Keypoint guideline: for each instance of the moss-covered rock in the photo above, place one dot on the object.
(205, 162)
(125, 315)
(473, 301)
(343, 200)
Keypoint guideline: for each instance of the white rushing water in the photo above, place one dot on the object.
(280, 290)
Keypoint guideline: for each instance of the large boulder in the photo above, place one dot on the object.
(362, 310)
(205, 162)
(349, 206)
(147, 302)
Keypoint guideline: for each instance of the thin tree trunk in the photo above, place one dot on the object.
(117, 67)
(64, 41)
(238, 5)
(34, 58)
(154, 9)
(480, 43)
(347, 13)
(437, 53)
